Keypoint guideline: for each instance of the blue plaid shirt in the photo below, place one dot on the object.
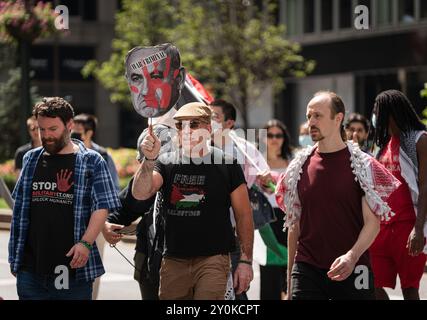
(93, 190)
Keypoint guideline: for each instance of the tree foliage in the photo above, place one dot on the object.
(10, 104)
(232, 46)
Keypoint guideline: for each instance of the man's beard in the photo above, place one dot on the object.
(57, 145)
(318, 137)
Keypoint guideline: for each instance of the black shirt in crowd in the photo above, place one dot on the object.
(20, 153)
(51, 230)
(196, 207)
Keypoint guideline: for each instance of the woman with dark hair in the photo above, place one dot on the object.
(279, 154)
(398, 249)
(278, 144)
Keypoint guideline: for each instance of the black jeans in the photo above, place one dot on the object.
(273, 282)
(311, 283)
(149, 290)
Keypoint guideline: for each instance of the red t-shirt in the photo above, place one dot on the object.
(400, 200)
(331, 217)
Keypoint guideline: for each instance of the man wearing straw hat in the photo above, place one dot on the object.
(198, 187)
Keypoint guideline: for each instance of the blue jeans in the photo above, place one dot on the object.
(31, 286)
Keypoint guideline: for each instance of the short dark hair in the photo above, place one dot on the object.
(53, 107)
(88, 121)
(337, 106)
(357, 117)
(227, 108)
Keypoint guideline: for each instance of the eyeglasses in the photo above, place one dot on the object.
(194, 124)
(277, 136)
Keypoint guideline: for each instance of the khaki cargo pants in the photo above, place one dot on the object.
(200, 278)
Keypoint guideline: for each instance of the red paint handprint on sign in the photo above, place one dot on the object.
(62, 180)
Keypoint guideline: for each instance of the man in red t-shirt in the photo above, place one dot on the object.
(336, 226)
(398, 248)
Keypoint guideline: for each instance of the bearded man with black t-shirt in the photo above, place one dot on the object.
(198, 186)
(62, 199)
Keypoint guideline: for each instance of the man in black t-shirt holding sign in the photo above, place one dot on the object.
(198, 187)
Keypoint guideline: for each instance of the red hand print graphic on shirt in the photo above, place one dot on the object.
(62, 180)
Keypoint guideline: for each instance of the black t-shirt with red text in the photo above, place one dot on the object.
(51, 230)
(331, 217)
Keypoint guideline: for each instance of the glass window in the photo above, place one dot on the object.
(119, 5)
(89, 10)
(423, 9)
(327, 14)
(308, 16)
(291, 17)
(72, 5)
(86, 9)
(384, 12)
(346, 13)
(406, 11)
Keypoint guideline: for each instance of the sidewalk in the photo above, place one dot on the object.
(5, 218)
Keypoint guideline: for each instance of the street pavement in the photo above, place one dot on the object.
(118, 282)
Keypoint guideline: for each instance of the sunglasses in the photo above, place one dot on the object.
(277, 136)
(194, 124)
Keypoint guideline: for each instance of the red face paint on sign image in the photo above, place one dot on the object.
(158, 89)
(155, 77)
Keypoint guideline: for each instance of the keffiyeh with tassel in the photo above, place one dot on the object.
(375, 180)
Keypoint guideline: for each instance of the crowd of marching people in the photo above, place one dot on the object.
(339, 216)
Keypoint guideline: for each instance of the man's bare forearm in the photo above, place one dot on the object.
(369, 232)
(96, 224)
(245, 232)
(142, 187)
(366, 237)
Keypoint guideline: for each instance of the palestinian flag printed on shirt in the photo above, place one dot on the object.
(188, 195)
(184, 198)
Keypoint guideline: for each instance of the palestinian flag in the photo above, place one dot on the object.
(267, 250)
(193, 91)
